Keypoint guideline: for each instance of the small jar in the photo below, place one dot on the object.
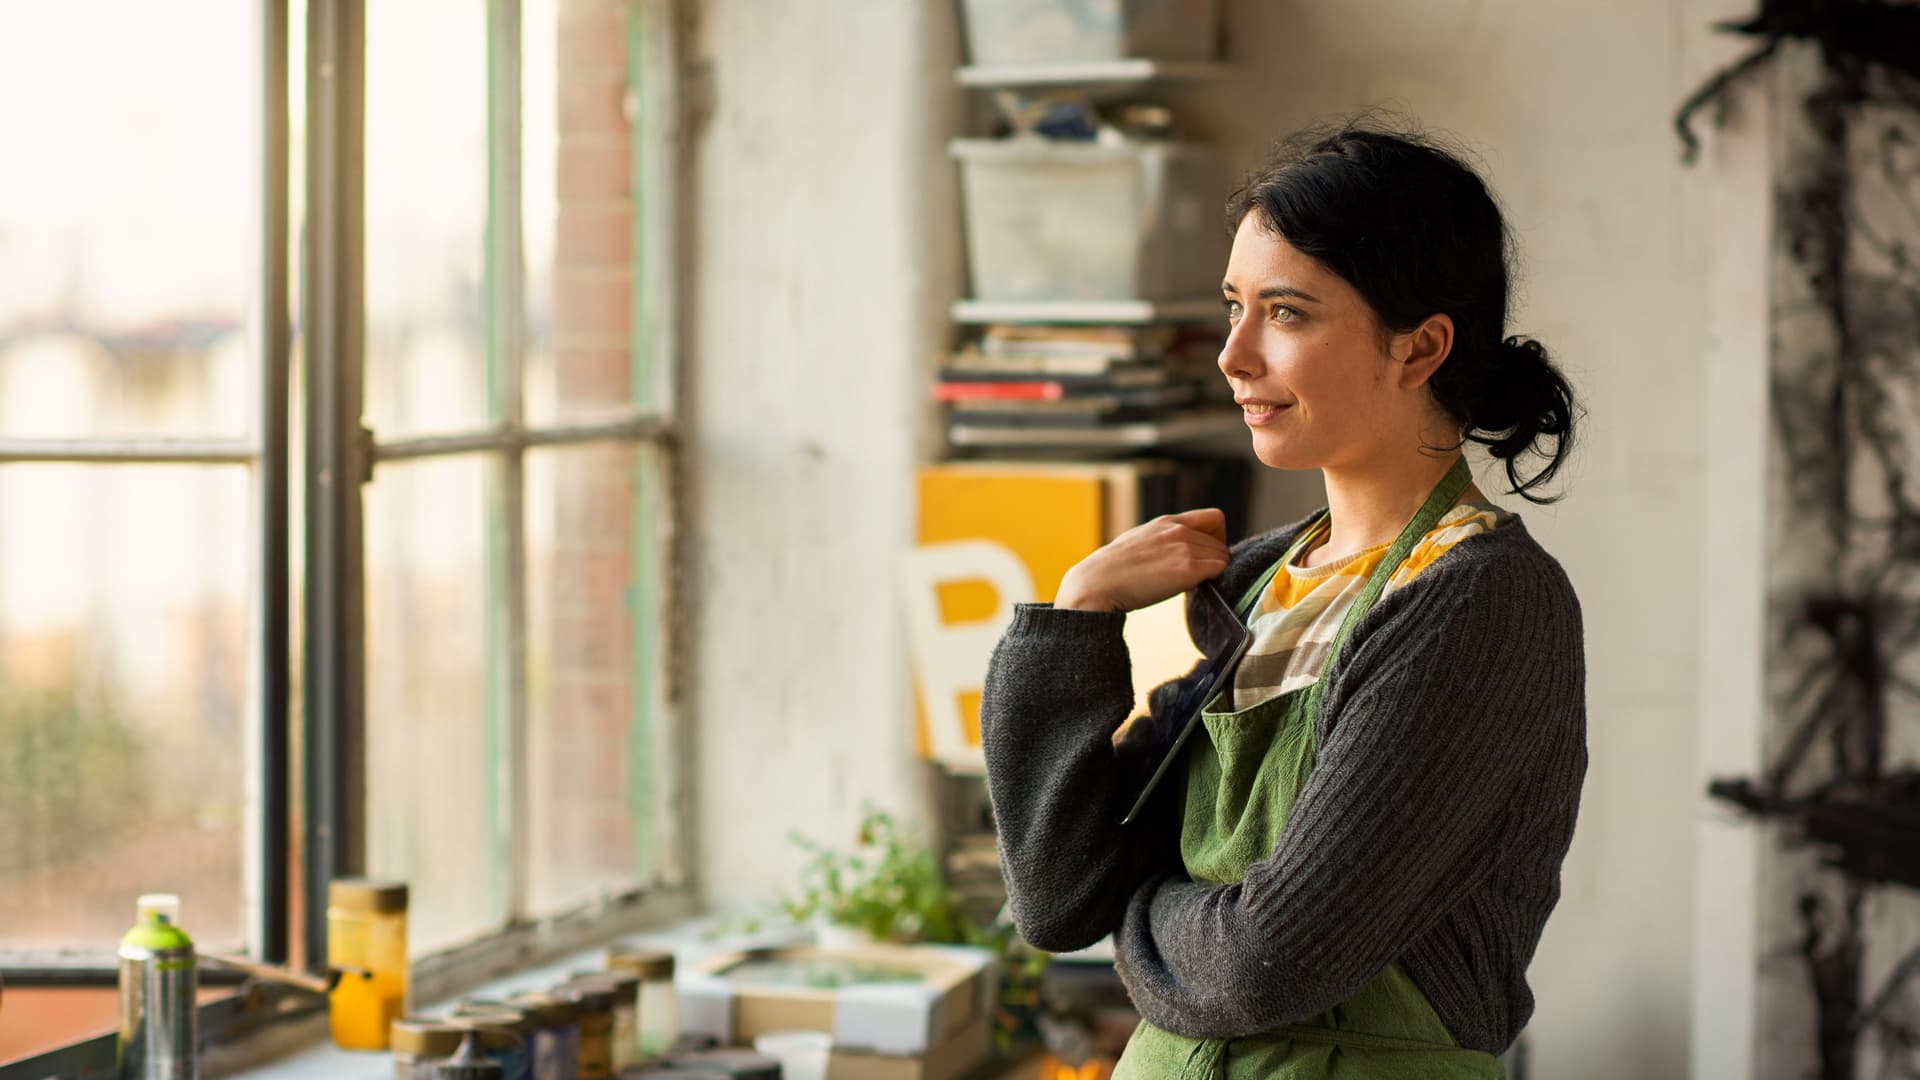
(659, 1006)
(737, 1064)
(458, 1068)
(626, 1013)
(626, 1018)
(556, 1034)
(415, 1040)
(504, 1036)
(494, 1013)
(468, 1063)
(595, 1001)
(367, 943)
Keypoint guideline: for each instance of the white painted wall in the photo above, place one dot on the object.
(825, 232)
(826, 252)
(1733, 711)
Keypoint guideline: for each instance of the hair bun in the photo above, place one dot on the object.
(1522, 350)
(1527, 400)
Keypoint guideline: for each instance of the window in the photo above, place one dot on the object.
(515, 520)
(130, 467)
(460, 451)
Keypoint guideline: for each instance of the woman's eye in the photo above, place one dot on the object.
(1233, 311)
(1283, 313)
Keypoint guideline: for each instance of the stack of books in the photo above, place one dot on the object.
(1076, 377)
(973, 873)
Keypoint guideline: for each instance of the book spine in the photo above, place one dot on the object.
(998, 391)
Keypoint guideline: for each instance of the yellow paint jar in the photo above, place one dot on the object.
(367, 943)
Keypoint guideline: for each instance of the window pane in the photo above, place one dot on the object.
(426, 215)
(126, 217)
(125, 720)
(578, 210)
(587, 673)
(433, 744)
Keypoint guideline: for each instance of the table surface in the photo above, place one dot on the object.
(321, 1060)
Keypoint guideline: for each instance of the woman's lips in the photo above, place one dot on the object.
(1262, 413)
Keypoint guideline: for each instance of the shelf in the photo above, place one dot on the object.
(1088, 73)
(1132, 312)
(1141, 435)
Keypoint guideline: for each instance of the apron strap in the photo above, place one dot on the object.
(1251, 598)
(1444, 495)
(1441, 500)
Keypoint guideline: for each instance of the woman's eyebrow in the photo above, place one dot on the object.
(1275, 292)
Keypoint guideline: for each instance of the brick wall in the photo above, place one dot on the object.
(590, 836)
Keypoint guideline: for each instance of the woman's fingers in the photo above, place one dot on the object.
(1150, 563)
(1207, 519)
(1197, 548)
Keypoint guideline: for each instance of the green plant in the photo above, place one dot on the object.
(890, 888)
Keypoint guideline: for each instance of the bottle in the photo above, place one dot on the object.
(159, 976)
(659, 1005)
(367, 943)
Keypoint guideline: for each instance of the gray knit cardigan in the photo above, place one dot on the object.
(1452, 751)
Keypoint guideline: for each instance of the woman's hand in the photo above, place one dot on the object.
(1148, 563)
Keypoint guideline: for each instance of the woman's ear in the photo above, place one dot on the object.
(1420, 352)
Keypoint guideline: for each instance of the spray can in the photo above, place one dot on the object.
(158, 1038)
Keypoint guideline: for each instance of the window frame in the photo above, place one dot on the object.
(341, 445)
(342, 455)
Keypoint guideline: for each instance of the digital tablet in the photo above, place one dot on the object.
(1216, 640)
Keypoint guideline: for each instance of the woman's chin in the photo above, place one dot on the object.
(1276, 453)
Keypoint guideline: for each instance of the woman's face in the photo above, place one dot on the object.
(1307, 359)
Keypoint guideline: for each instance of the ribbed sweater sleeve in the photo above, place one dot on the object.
(1058, 687)
(1456, 706)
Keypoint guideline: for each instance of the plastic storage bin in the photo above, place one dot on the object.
(1012, 32)
(1081, 221)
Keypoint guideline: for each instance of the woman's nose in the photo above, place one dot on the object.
(1240, 355)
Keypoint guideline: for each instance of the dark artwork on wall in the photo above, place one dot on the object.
(1844, 634)
(1886, 35)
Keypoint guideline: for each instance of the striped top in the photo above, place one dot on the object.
(1296, 618)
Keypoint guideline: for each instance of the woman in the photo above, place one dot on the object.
(1352, 877)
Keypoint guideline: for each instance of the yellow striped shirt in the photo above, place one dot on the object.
(1298, 614)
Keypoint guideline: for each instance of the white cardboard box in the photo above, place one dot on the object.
(951, 999)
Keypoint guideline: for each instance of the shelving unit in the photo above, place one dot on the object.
(1116, 447)
(1087, 312)
(1141, 435)
(1086, 80)
(1092, 76)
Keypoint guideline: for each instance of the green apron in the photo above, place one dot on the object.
(1242, 781)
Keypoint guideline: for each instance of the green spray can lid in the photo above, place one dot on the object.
(158, 927)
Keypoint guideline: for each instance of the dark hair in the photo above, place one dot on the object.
(1416, 232)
